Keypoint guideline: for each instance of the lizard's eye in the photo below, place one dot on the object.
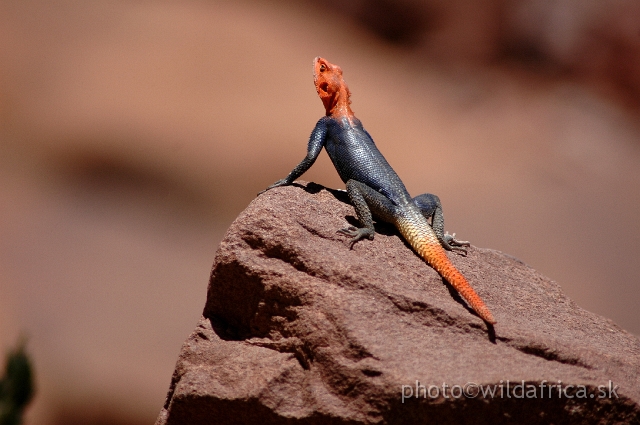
(323, 68)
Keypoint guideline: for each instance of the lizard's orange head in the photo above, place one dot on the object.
(330, 85)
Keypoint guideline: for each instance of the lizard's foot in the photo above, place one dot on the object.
(452, 244)
(281, 182)
(356, 234)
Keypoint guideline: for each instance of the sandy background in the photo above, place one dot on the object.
(132, 133)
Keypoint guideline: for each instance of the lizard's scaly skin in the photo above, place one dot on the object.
(416, 230)
(374, 187)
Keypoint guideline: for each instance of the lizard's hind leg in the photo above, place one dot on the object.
(366, 200)
(431, 208)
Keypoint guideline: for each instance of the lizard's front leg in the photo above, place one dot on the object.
(315, 145)
(365, 199)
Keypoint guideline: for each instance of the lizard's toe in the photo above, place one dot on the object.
(356, 234)
(458, 250)
(348, 231)
(451, 239)
(452, 244)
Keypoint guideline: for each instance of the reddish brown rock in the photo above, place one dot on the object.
(298, 329)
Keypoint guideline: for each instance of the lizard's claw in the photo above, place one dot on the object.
(281, 182)
(349, 231)
(454, 244)
(356, 234)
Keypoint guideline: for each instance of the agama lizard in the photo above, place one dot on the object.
(374, 188)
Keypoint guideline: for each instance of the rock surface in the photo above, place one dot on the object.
(298, 329)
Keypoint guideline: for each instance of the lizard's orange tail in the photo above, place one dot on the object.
(440, 262)
(416, 230)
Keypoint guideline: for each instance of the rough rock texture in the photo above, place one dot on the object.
(298, 329)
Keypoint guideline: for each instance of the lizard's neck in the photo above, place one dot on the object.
(338, 106)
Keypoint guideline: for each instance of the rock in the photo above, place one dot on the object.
(298, 329)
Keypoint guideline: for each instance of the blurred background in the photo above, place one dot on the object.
(132, 133)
